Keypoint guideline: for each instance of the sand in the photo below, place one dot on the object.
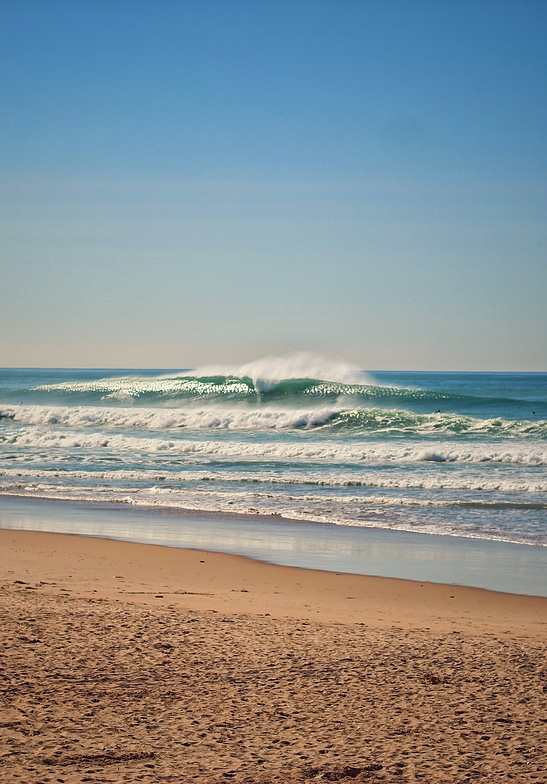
(136, 663)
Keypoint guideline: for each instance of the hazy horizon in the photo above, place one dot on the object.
(181, 369)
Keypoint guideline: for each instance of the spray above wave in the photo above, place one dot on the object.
(269, 372)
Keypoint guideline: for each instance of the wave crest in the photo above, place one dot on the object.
(268, 372)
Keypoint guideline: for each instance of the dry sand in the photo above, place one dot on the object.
(135, 663)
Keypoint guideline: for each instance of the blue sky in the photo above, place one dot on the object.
(212, 181)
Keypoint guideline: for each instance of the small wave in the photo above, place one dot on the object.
(333, 450)
(405, 422)
(393, 480)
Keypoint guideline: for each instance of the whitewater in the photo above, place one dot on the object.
(298, 437)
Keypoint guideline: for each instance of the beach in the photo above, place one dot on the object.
(132, 662)
(273, 392)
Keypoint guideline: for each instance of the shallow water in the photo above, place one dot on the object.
(492, 565)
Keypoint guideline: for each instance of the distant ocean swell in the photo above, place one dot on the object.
(456, 454)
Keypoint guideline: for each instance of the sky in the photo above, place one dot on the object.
(211, 181)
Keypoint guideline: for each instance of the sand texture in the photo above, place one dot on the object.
(133, 663)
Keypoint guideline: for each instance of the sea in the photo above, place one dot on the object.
(299, 438)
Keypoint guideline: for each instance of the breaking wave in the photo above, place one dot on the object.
(214, 388)
(332, 418)
(334, 450)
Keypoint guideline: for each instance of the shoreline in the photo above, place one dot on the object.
(216, 514)
(488, 564)
(93, 567)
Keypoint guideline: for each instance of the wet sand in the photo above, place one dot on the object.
(140, 663)
(490, 564)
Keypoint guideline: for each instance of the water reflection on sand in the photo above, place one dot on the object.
(430, 558)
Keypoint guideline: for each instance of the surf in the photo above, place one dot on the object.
(298, 436)
(334, 418)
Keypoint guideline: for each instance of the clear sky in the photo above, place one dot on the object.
(211, 181)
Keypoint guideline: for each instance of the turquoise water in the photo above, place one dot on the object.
(459, 454)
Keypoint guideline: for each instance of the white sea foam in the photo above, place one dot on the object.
(218, 417)
(333, 450)
(242, 497)
(269, 417)
(394, 480)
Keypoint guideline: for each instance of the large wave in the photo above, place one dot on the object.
(297, 381)
(176, 390)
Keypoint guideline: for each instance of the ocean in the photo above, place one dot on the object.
(298, 438)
